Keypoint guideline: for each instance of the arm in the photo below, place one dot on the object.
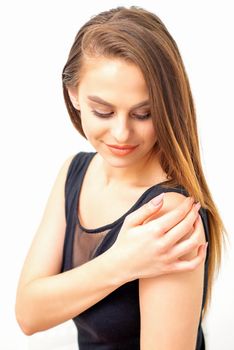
(46, 297)
(170, 304)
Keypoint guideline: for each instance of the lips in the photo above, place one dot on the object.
(127, 147)
(121, 151)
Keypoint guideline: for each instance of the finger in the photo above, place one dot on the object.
(190, 265)
(165, 222)
(140, 215)
(186, 246)
(180, 230)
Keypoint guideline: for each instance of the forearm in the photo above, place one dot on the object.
(49, 301)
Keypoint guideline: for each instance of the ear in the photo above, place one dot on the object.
(72, 92)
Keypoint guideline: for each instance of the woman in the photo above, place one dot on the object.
(121, 246)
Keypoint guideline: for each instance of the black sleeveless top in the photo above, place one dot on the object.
(113, 322)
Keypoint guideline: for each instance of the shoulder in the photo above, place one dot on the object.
(47, 245)
(76, 162)
(73, 162)
(63, 170)
(170, 304)
(171, 201)
(66, 163)
(58, 186)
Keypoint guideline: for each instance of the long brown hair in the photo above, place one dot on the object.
(139, 36)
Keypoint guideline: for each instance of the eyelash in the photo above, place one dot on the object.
(108, 115)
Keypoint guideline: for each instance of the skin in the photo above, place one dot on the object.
(165, 321)
(122, 85)
(119, 124)
(151, 233)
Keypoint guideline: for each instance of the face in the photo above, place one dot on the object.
(114, 107)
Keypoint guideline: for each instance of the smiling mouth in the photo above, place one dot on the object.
(121, 151)
(124, 147)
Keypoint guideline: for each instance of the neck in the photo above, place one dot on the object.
(139, 174)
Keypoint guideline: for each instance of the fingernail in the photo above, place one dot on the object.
(157, 200)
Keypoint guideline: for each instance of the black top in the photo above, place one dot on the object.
(113, 322)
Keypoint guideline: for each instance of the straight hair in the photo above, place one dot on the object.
(140, 37)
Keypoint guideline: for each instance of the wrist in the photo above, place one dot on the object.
(117, 267)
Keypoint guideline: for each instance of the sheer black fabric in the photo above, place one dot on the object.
(114, 322)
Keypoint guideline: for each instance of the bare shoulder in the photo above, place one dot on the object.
(170, 305)
(60, 179)
(171, 201)
(65, 166)
(44, 257)
(57, 190)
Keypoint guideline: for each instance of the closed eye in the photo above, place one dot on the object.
(102, 115)
(108, 115)
(142, 116)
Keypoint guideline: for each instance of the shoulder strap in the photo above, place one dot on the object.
(180, 189)
(205, 220)
(74, 177)
(73, 180)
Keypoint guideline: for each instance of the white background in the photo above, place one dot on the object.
(37, 135)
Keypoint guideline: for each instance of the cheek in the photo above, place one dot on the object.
(147, 131)
(91, 127)
(153, 135)
(88, 129)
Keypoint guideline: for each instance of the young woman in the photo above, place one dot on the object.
(121, 246)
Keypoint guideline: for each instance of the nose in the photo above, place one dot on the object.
(121, 129)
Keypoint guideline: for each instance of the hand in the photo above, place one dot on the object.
(152, 248)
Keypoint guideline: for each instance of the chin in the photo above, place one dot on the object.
(119, 163)
(122, 161)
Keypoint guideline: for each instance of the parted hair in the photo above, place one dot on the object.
(140, 37)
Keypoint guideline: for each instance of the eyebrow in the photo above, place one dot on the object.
(101, 101)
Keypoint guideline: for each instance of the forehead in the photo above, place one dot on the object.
(112, 74)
